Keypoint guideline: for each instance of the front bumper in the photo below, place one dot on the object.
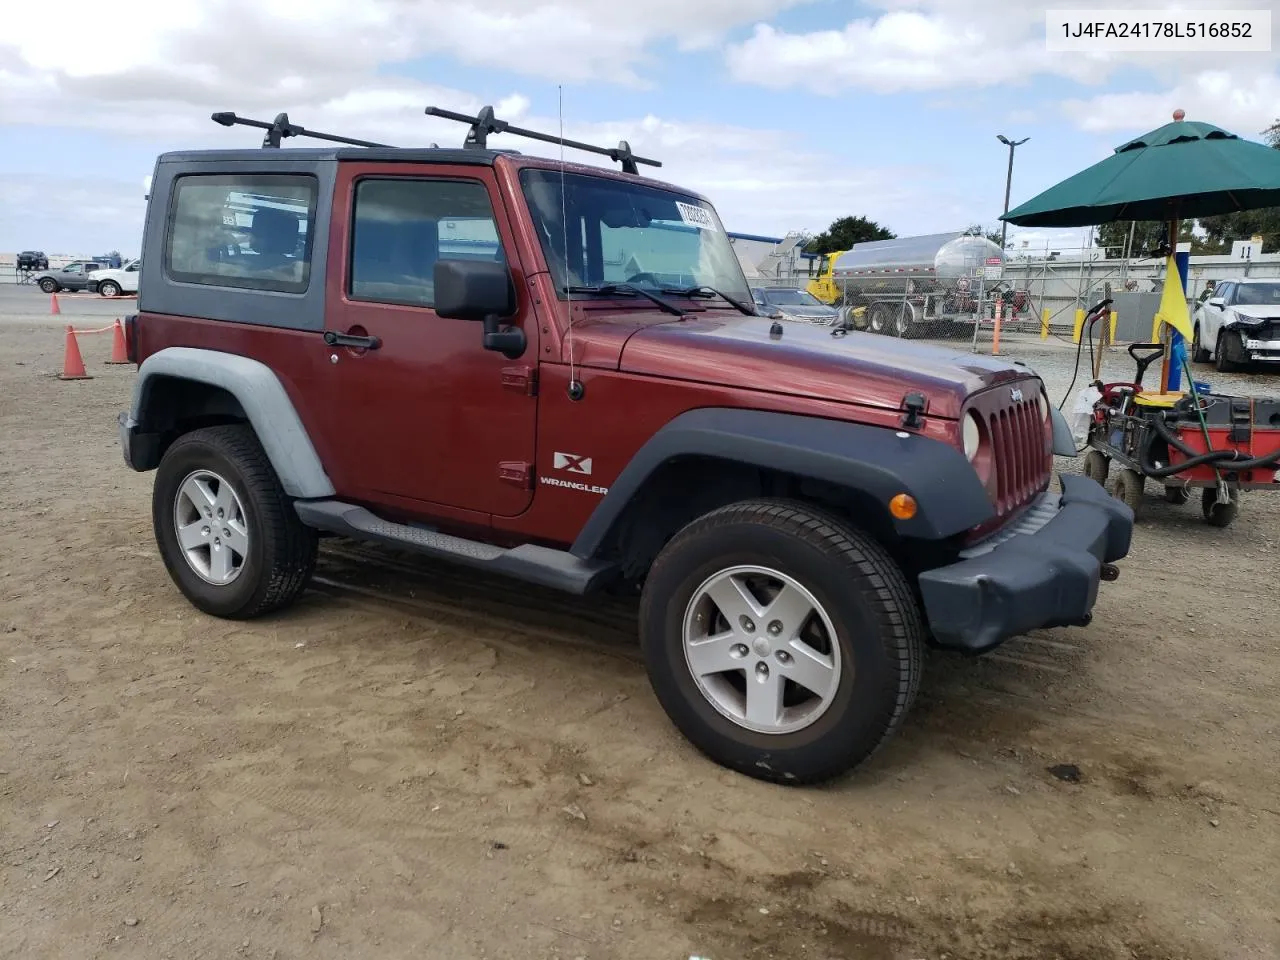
(1261, 349)
(1041, 571)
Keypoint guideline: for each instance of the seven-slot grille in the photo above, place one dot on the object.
(1022, 454)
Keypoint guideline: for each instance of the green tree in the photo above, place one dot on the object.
(845, 232)
(1221, 230)
(1114, 237)
(977, 230)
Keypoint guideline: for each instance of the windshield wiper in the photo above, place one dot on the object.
(704, 291)
(629, 289)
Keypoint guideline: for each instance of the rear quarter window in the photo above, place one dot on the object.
(251, 231)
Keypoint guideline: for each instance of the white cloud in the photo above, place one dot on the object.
(330, 65)
(950, 45)
(314, 47)
(1243, 102)
(70, 216)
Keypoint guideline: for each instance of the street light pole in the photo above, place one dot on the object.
(1008, 182)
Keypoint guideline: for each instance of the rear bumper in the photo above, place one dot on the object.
(1041, 571)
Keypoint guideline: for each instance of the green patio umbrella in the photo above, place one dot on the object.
(1180, 171)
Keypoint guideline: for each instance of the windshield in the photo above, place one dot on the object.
(792, 298)
(1258, 294)
(623, 232)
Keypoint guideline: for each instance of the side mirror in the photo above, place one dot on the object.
(480, 290)
(1215, 301)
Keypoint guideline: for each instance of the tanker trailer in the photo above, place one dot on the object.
(932, 285)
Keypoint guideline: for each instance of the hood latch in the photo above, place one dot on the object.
(913, 405)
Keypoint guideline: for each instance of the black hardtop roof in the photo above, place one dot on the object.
(258, 155)
(263, 159)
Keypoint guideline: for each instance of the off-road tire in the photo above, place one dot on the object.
(1217, 514)
(1129, 487)
(1198, 353)
(877, 622)
(282, 550)
(1176, 495)
(109, 288)
(1096, 466)
(49, 285)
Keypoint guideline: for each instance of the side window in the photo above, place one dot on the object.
(1224, 291)
(72, 268)
(246, 230)
(401, 227)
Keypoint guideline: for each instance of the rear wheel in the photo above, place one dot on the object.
(1217, 514)
(782, 643)
(227, 532)
(1198, 353)
(1129, 486)
(1096, 466)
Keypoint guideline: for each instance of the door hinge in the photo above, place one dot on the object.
(516, 472)
(524, 379)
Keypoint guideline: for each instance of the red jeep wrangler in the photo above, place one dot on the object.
(554, 371)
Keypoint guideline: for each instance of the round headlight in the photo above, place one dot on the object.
(972, 435)
(1043, 401)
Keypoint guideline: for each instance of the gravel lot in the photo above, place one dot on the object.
(416, 761)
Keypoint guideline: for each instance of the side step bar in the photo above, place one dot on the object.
(557, 569)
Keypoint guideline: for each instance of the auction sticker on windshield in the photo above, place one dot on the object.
(696, 216)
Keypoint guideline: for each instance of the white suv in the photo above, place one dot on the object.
(1238, 324)
(112, 283)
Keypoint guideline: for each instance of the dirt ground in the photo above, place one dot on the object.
(415, 761)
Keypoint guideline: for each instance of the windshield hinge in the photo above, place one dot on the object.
(523, 379)
(913, 405)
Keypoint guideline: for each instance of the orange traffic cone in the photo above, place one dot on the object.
(119, 352)
(72, 362)
(53, 303)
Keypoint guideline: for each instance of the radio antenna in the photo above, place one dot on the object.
(576, 389)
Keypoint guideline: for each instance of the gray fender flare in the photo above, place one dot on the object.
(876, 461)
(1064, 444)
(264, 400)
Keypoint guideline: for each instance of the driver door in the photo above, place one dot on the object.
(428, 416)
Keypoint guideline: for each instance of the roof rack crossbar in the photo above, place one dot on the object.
(485, 123)
(280, 128)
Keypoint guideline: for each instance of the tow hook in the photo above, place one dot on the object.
(1110, 572)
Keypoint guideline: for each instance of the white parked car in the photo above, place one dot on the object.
(1239, 324)
(112, 283)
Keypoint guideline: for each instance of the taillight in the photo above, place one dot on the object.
(131, 337)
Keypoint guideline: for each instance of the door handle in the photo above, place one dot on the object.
(335, 339)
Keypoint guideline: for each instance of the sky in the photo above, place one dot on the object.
(787, 113)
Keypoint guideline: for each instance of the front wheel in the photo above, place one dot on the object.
(227, 532)
(782, 643)
(1128, 487)
(109, 288)
(49, 285)
(1230, 348)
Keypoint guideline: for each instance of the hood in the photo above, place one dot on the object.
(1265, 311)
(806, 310)
(860, 368)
